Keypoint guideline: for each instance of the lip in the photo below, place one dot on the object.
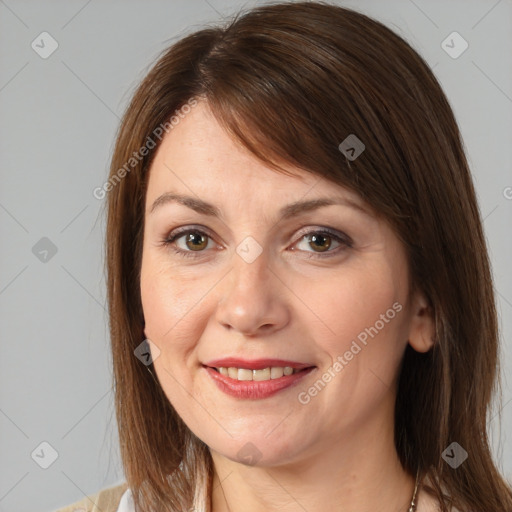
(254, 364)
(256, 390)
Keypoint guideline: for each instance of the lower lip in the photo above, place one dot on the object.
(253, 389)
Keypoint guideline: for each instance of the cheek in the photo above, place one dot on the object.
(176, 310)
(354, 301)
(168, 325)
(362, 313)
(173, 313)
(166, 300)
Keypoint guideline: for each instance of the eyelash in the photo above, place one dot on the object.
(341, 238)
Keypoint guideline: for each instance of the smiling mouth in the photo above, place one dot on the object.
(265, 374)
(256, 384)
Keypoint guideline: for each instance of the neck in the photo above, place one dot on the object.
(360, 472)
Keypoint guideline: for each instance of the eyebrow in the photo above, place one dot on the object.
(286, 212)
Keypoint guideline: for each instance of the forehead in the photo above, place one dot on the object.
(197, 156)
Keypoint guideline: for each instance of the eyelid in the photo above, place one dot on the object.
(174, 233)
(343, 237)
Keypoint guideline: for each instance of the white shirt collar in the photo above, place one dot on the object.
(126, 503)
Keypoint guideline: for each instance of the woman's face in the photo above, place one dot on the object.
(256, 279)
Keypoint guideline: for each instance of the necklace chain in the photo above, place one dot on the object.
(412, 507)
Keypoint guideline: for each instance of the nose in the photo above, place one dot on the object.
(253, 299)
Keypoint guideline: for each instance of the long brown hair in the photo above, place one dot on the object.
(291, 81)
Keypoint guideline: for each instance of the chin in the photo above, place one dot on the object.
(257, 449)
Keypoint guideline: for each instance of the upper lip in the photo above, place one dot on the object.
(254, 364)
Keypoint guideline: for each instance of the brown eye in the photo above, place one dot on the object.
(196, 241)
(188, 242)
(320, 241)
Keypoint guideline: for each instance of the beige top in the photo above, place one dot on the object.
(107, 500)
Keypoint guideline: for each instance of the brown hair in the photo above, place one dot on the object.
(290, 81)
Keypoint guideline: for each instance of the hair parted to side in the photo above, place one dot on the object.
(291, 81)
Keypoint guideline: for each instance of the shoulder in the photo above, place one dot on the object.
(427, 503)
(106, 500)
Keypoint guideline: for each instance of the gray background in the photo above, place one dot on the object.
(58, 121)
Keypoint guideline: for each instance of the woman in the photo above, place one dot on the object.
(301, 305)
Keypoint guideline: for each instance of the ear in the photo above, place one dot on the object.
(421, 329)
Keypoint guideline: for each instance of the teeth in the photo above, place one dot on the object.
(244, 374)
(274, 372)
(260, 374)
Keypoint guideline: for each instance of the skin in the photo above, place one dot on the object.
(336, 452)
